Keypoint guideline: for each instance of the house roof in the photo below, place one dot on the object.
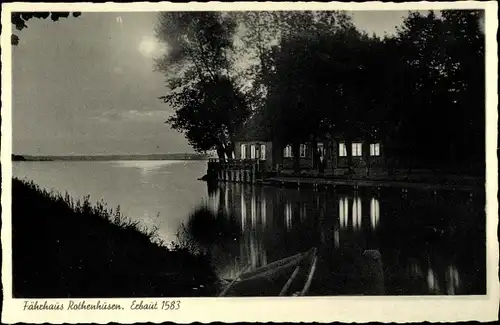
(256, 128)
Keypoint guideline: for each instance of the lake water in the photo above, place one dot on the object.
(369, 241)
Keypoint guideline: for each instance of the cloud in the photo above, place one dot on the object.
(142, 115)
(146, 114)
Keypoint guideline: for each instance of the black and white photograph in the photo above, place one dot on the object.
(246, 153)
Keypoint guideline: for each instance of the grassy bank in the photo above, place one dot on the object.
(70, 248)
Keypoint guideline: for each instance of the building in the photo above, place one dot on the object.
(253, 142)
(330, 156)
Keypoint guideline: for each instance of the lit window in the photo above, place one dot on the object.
(243, 151)
(288, 151)
(252, 151)
(342, 150)
(375, 149)
(303, 148)
(356, 149)
(262, 152)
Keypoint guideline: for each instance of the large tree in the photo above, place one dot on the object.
(314, 73)
(441, 115)
(317, 83)
(261, 33)
(209, 106)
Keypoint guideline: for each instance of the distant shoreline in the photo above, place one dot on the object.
(176, 156)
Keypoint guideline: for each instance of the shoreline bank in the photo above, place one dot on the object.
(67, 248)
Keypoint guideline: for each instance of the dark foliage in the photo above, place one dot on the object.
(208, 104)
(206, 229)
(19, 19)
(421, 92)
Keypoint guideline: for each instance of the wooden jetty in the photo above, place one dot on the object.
(235, 170)
(252, 171)
(304, 182)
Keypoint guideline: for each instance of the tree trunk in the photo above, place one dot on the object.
(229, 150)
(367, 157)
(389, 157)
(221, 153)
(296, 156)
(348, 145)
(332, 154)
(277, 152)
(314, 153)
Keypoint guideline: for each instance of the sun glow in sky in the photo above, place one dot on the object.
(149, 47)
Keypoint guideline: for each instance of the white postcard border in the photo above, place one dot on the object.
(295, 309)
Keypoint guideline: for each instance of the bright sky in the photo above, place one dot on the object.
(85, 85)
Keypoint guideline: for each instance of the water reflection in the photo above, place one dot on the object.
(374, 212)
(356, 213)
(344, 211)
(263, 209)
(288, 215)
(351, 240)
(432, 281)
(336, 237)
(452, 280)
(355, 219)
(243, 211)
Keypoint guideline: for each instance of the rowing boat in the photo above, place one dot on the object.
(291, 276)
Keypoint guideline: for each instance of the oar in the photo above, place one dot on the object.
(289, 282)
(310, 277)
(273, 265)
(236, 279)
(270, 272)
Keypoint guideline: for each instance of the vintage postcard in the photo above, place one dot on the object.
(260, 162)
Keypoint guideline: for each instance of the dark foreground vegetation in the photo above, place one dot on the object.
(71, 248)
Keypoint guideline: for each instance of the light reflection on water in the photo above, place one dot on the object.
(276, 223)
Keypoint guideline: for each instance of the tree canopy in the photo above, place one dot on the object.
(442, 114)
(209, 106)
(313, 74)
